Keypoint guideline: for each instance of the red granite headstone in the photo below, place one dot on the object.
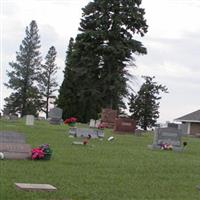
(108, 117)
(125, 125)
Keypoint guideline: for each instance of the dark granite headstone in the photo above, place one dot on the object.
(125, 125)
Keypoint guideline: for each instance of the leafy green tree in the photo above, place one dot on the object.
(102, 51)
(47, 83)
(145, 104)
(24, 74)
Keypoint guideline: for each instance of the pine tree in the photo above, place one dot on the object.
(47, 81)
(24, 74)
(111, 25)
(67, 95)
(144, 105)
(101, 53)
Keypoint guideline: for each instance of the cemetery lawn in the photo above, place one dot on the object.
(123, 169)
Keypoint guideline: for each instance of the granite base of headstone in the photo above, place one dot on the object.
(125, 125)
(171, 136)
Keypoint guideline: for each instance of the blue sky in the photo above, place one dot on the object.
(173, 44)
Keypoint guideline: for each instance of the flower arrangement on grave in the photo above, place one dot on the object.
(42, 152)
(166, 146)
(70, 121)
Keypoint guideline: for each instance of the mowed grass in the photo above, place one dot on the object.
(124, 169)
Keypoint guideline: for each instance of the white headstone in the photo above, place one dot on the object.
(29, 120)
(92, 123)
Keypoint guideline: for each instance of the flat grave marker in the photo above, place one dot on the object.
(35, 187)
(86, 132)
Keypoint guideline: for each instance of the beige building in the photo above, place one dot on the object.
(191, 123)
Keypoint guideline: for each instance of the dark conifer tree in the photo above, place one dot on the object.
(24, 74)
(67, 95)
(47, 83)
(145, 104)
(102, 51)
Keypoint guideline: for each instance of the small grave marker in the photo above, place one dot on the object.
(55, 115)
(30, 120)
(35, 187)
(92, 123)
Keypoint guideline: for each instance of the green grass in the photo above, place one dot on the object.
(124, 169)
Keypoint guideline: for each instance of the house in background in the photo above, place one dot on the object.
(190, 123)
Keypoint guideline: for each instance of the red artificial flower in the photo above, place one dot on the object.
(37, 153)
(70, 120)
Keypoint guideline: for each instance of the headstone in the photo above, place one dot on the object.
(15, 151)
(125, 125)
(108, 117)
(55, 115)
(30, 120)
(11, 137)
(170, 136)
(35, 187)
(13, 146)
(92, 123)
(13, 117)
(86, 132)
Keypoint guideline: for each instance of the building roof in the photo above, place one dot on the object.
(191, 117)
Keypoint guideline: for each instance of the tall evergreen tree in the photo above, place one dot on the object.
(66, 98)
(48, 82)
(24, 74)
(102, 51)
(144, 105)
